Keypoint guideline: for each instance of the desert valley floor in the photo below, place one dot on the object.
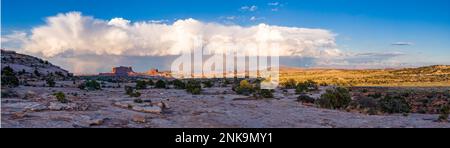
(215, 107)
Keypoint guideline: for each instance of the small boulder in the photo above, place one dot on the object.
(35, 107)
(19, 115)
(57, 106)
(148, 109)
(139, 119)
(94, 122)
(29, 95)
(163, 105)
(84, 121)
(124, 104)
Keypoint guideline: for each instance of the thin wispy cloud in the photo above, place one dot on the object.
(275, 6)
(378, 54)
(230, 17)
(402, 44)
(158, 21)
(273, 3)
(361, 60)
(15, 36)
(14, 40)
(249, 8)
(254, 18)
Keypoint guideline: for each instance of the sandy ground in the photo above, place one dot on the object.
(216, 107)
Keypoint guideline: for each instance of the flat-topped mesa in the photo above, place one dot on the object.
(120, 71)
(124, 71)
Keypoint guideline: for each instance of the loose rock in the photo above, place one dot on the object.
(148, 109)
(139, 119)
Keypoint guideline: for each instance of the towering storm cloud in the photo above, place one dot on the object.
(87, 45)
(74, 34)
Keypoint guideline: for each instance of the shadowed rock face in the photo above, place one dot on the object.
(29, 65)
(122, 71)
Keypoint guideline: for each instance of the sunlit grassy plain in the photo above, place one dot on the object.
(431, 76)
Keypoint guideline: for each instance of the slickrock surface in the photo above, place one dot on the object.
(216, 107)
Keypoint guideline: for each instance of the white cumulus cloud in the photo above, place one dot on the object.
(74, 34)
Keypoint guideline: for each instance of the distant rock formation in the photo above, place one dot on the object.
(26, 66)
(153, 72)
(120, 71)
(128, 71)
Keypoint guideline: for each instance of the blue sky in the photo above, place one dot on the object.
(361, 25)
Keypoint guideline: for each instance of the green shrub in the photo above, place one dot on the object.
(301, 88)
(9, 77)
(195, 91)
(367, 103)
(444, 112)
(22, 72)
(141, 84)
(245, 84)
(289, 84)
(337, 98)
(60, 74)
(138, 101)
(7, 71)
(244, 88)
(364, 90)
(306, 86)
(160, 84)
(8, 93)
(150, 83)
(323, 84)
(82, 86)
(130, 91)
(135, 94)
(208, 84)
(61, 97)
(372, 111)
(194, 87)
(396, 104)
(36, 73)
(178, 84)
(305, 99)
(10, 81)
(375, 95)
(90, 85)
(93, 85)
(265, 93)
(312, 85)
(225, 82)
(50, 82)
